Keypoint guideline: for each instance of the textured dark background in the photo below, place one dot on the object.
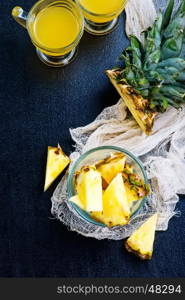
(38, 106)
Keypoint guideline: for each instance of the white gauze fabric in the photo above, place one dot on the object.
(162, 154)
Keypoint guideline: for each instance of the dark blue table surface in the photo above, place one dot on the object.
(38, 106)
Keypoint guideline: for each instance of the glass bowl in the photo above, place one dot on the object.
(92, 156)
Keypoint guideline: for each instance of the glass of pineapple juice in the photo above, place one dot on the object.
(55, 28)
(101, 16)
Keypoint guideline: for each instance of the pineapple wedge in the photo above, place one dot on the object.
(131, 194)
(128, 168)
(135, 187)
(89, 188)
(111, 166)
(141, 241)
(76, 200)
(116, 209)
(57, 161)
(135, 103)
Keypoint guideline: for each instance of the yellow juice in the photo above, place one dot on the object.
(55, 27)
(103, 10)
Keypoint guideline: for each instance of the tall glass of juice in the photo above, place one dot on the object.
(101, 16)
(55, 28)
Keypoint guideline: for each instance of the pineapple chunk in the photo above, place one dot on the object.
(135, 187)
(141, 241)
(76, 200)
(57, 161)
(131, 194)
(116, 209)
(128, 168)
(89, 188)
(111, 166)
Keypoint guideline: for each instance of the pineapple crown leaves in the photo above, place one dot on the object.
(156, 69)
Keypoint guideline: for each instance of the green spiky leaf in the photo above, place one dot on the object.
(157, 68)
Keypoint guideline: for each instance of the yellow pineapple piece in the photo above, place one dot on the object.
(98, 216)
(131, 194)
(111, 166)
(142, 240)
(135, 103)
(76, 200)
(128, 168)
(57, 161)
(116, 209)
(135, 187)
(89, 188)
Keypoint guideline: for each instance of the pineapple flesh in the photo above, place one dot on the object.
(76, 200)
(108, 189)
(89, 188)
(57, 161)
(135, 187)
(131, 194)
(111, 166)
(116, 210)
(135, 103)
(141, 241)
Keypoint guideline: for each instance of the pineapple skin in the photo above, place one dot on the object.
(135, 187)
(147, 256)
(57, 161)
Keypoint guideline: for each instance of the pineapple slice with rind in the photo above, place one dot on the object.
(128, 168)
(76, 200)
(57, 161)
(131, 194)
(116, 210)
(142, 240)
(135, 103)
(111, 166)
(135, 187)
(89, 188)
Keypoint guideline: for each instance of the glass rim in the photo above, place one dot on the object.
(70, 186)
(99, 15)
(55, 50)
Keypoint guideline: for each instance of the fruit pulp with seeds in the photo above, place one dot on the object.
(101, 11)
(55, 27)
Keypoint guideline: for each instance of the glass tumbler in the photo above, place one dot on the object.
(55, 29)
(101, 16)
